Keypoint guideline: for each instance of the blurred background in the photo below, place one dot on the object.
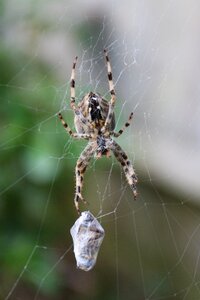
(151, 246)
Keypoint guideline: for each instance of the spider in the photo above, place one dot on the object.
(94, 121)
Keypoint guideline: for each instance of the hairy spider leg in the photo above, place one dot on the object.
(72, 97)
(117, 134)
(127, 167)
(112, 92)
(72, 85)
(81, 166)
(73, 134)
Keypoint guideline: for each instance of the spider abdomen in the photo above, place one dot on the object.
(93, 111)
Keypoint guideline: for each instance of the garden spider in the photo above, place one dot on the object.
(95, 121)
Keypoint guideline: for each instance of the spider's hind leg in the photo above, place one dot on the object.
(127, 167)
(81, 166)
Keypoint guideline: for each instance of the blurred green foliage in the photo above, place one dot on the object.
(29, 165)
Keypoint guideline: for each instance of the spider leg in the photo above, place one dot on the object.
(116, 134)
(68, 129)
(112, 92)
(81, 166)
(72, 98)
(127, 167)
(72, 85)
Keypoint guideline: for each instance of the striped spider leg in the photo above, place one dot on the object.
(82, 162)
(81, 166)
(72, 85)
(126, 165)
(117, 134)
(76, 110)
(112, 92)
(71, 133)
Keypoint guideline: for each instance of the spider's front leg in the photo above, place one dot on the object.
(112, 92)
(127, 167)
(81, 166)
(72, 85)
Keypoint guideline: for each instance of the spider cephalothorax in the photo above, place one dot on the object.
(95, 121)
(103, 146)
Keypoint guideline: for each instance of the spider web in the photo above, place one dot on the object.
(151, 246)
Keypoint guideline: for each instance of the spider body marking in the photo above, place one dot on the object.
(94, 120)
(94, 110)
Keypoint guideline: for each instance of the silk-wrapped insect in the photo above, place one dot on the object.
(87, 234)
